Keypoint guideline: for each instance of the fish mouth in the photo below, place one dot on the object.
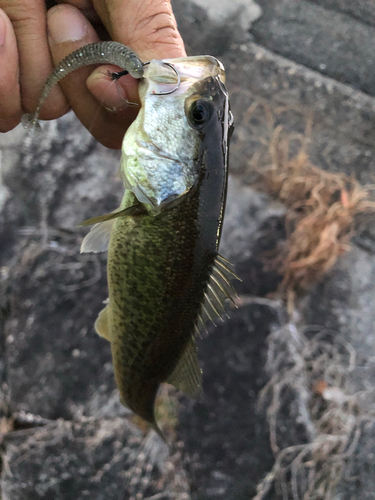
(175, 76)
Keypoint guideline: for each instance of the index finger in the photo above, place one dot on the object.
(149, 28)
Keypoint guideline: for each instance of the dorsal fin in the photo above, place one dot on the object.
(187, 376)
(218, 290)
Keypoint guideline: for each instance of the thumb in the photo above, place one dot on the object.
(147, 27)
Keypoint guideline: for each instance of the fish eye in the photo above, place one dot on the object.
(200, 112)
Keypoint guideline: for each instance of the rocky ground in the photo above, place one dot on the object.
(289, 403)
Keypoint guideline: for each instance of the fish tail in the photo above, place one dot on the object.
(158, 431)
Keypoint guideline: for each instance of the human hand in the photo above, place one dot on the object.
(44, 38)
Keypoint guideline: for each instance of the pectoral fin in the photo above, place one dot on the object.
(102, 324)
(187, 376)
(133, 210)
(97, 239)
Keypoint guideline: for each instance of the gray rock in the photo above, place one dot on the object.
(203, 34)
(254, 226)
(50, 284)
(88, 459)
(332, 366)
(70, 372)
(273, 91)
(327, 41)
(226, 442)
(247, 11)
(363, 10)
(54, 366)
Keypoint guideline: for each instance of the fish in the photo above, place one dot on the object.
(166, 278)
(165, 275)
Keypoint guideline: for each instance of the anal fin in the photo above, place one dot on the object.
(187, 376)
(102, 324)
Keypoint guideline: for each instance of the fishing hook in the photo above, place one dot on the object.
(118, 75)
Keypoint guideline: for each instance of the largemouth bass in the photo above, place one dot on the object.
(165, 276)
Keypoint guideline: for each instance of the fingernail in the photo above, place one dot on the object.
(66, 24)
(2, 29)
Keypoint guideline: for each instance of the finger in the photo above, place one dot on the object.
(86, 7)
(80, 4)
(110, 93)
(69, 30)
(10, 101)
(148, 27)
(29, 24)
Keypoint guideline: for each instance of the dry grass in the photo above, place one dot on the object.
(322, 210)
(316, 373)
(310, 375)
(154, 463)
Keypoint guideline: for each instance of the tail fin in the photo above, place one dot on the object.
(155, 427)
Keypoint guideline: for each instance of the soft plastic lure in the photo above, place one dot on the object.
(94, 53)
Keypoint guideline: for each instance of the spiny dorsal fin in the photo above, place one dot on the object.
(102, 324)
(218, 290)
(187, 376)
(97, 239)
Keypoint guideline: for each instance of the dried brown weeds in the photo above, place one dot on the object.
(321, 216)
